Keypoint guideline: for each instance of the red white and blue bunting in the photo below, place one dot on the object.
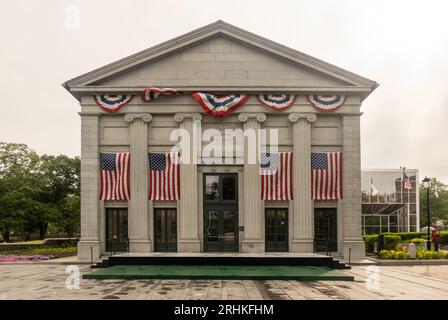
(112, 103)
(220, 106)
(277, 102)
(326, 103)
(152, 94)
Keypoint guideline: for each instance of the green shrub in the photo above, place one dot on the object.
(391, 242)
(444, 237)
(429, 255)
(370, 242)
(405, 236)
(417, 240)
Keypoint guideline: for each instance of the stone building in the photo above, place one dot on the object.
(220, 59)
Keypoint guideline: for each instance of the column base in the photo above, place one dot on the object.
(139, 246)
(357, 252)
(252, 246)
(302, 246)
(193, 246)
(89, 249)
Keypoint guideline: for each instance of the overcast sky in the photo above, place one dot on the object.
(403, 45)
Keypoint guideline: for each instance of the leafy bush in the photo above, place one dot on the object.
(404, 236)
(429, 255)
(417, 240)
(370, 242)
(391, 242)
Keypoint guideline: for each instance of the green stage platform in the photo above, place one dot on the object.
(301, 273)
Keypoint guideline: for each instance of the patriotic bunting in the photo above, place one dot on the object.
(164, 171)
(276, 176)
(326, 176)
(112, 103)
(152, 94)
(326, 103)
(220, 106)
(114, 176)
(277, 102)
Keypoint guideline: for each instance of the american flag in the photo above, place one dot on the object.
(276, 176)
(406, 182)
(326, 175)
(164, 170)
(114, 176)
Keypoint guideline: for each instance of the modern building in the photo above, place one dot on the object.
(243, 82)
(387, 205)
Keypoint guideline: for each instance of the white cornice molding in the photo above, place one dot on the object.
(179, 117)
(130, 117)
(310, 117)
(260, 117)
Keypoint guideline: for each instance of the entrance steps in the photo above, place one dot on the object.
(222, 259)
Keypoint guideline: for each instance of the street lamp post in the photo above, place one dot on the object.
(426, 183)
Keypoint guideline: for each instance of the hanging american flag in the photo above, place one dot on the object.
(406, 182)
(164, 170)
(114, 176)
(326, 176)
(276, 176)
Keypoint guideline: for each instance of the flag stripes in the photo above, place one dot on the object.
(276, 176)
(114, 176)
(164, 176)
(326, 176)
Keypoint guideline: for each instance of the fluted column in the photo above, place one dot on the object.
(138, 232)
(188, 211)
(253, 239)
(352, 243)
(90, 209)
(303, 220)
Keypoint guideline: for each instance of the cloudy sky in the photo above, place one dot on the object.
(403, 45)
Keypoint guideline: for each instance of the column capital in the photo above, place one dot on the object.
(260, 117)
(179, 117)
(310, 117)
(130, 117)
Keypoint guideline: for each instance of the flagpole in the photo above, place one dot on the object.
(402, 182)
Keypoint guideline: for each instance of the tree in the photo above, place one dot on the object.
(37, 191)
(438, 206)
(60, 176)
(18, 187)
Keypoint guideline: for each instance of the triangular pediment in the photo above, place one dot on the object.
(221, 57)
(221, 62)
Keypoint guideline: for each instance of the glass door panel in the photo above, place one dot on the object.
(276, 230)
(325, 230)
(165, 230)
(116, 230)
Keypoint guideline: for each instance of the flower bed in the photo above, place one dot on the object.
(420, 254)
(24, 258)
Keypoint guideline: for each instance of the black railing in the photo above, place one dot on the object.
(117, 245)
(324, 245)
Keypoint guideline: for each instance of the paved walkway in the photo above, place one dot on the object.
(42, 281)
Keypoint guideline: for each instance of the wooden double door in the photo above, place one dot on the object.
(220, 208)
